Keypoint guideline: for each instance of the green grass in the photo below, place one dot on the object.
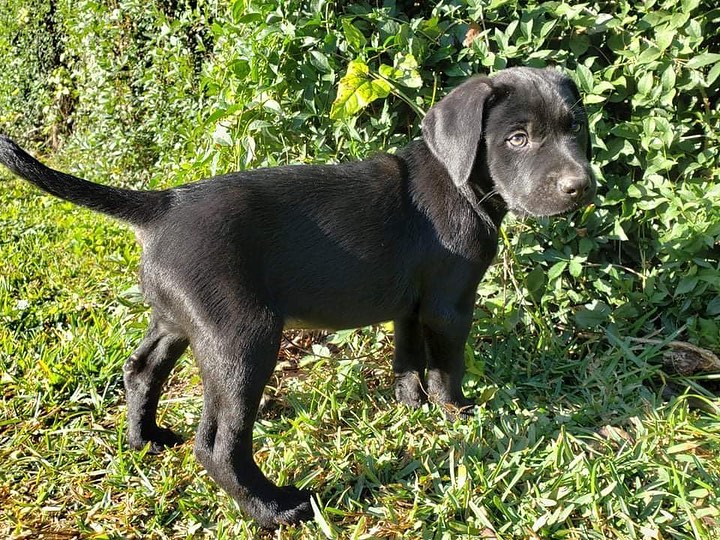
(573, 439)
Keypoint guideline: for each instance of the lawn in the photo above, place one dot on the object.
(573, 438)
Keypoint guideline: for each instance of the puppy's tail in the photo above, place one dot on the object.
(135, 207)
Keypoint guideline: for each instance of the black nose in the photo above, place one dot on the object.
(574, 187)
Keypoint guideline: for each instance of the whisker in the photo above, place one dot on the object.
(489, 194)
(574, 106)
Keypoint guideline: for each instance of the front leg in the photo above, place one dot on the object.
(410, 362)
(446, 331)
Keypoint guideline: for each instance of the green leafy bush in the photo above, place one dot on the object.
(116, 81)
(315, 82)
(29, 47)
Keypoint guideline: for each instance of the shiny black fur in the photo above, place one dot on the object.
(229, 262)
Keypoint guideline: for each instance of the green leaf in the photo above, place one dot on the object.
(585, 78)
(650, 54)
(664, 38)
(575, 267)
(713, 307)
(320, 61)
(703, 60)
(431, 28)
(548, 27)
(593, 314)
(645, 84)
(636, 191)
(579, 44)
(713, 74)
(405, 71)
(683, 447)
(668, 78)
(320, 519)
(619, 231)
(496, 4)
(687, 284)
(221, 135)
(389, 72)
(409, 67)
(485, 395)
(356, 90)
(273, 106)
(248, 18)
(354, 36)
(535, 280)
(556, 270)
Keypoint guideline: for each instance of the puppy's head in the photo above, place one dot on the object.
(529, 128)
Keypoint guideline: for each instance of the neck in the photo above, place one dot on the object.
(480, 192)
(466, 218)
(487, 205)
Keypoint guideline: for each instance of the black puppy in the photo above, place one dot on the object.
(229, 262)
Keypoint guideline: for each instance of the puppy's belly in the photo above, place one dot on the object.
(344, 318)
(298, 324)
(339, 304)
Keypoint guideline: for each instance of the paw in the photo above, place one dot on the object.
(296, 506)
(290, 506)
(409, 390)
(157, 440)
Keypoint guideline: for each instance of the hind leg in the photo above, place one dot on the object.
(145, 372)
(235, 366)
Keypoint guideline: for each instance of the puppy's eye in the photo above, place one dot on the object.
(576, 126)
(517, 140)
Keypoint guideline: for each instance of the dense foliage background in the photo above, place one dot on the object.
(164, 92)
(161, 92)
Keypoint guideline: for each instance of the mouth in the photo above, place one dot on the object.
(530, 208)
(522, 211)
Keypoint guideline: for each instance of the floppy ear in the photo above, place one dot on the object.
(577, 102)
(452, 129)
